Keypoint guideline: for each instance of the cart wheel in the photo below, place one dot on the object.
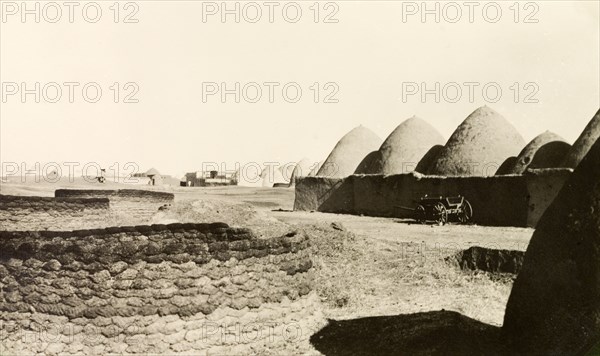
(466, 212)
(441, 214)
(420, 214)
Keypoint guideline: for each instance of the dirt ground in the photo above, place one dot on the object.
(366, 266)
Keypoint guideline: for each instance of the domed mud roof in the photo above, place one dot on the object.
(371, 164)
(479, 146)
(407, 145)
(271, 175)
(349, 152)
(302, 169)
(554, 304)
(547, 150)
(582, 145)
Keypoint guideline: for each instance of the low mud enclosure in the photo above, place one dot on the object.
(129, 206)
(179, 288)
(43, 213)
(510, 200)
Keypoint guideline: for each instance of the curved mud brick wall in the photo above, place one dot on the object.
(164, 289)
(21, 213)
(512, 200)
(131, 206)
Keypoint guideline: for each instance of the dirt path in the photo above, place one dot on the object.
(430, 236)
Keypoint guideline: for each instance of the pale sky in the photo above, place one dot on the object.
(369, 53)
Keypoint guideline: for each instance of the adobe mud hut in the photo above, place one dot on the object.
(349, 152)
(302, 169)
(271, 175)
(480, 144)
(154, 177)
(554, 306)
(582, 145)
(428, 159)
(547, 150)
(249, 175)
(407, 145)
(371, 164)
(507, 166)
(313, 172)
(287, 170)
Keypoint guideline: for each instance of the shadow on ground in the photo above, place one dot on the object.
(430, 333)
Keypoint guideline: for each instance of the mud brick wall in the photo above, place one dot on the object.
(513, 200)
(21, 213)
(543, 186)
(179, 288)
(130, 206)
(495, 200)
(325, 194)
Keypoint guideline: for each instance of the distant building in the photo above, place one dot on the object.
(209, 178)
(154, 177)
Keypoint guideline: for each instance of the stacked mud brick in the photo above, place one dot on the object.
(164, 289)
(43, 213)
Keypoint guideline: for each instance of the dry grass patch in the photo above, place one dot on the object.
(360, 276)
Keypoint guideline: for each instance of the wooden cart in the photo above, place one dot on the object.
(443, 209)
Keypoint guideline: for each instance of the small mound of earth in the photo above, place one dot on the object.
(488, 260)
(233, 214)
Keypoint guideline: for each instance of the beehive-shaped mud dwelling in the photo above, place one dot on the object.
(272, 175)
(287, 170)
(478, 146)
(250, 175)
(315, 169)
(371, 164)
(554, 306)
(429, 159)
(407, 145)
(507, 167)
(547, 150)
(302, 169)
(349, 152)
(582, 145)
(403, 149)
